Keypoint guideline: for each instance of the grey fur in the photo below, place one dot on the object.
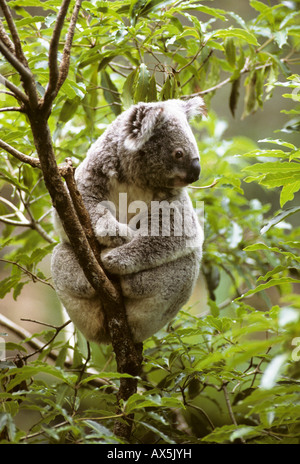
(150, 154)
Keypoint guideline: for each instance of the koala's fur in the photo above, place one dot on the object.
(149, 152)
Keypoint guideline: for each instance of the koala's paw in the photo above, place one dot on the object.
(111, 242)
(117, 237)
(111, 261)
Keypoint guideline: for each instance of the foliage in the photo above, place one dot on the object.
(232, 373)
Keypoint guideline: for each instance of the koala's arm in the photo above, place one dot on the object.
(148, 252)
(109, 232)
(142, 253)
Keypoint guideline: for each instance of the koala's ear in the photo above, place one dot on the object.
(142, 120)
(193, 107)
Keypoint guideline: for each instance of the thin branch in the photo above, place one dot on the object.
(18, 94)
(34, 162)
(53, 54)
(25, 74)
(68, 173)
(11, 222)
(65, 63)
(57, 330)
(37, 345)
(12, 108)
(229, 407)
(33, 223)
(7, 93)
(57, 75)
(6, 39)
(14, 33)
(191, 61)
(228, 403)
(204, 186)
(34, 277)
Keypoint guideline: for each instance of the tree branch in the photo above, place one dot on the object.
(37, 345)
(25, 74)
(11, 108)
(34, 277)
(68, 173)
(51, 91)
(65, 63)
(34, 162)
(14, 33)
(18, 94)
(16, 57)
(5, 38)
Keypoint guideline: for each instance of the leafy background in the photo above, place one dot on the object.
(227, 369)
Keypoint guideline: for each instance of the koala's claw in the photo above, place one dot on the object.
(111, 261)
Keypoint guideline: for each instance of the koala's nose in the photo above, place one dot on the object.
(194, 171)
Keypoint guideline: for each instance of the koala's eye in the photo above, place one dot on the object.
(178, 154)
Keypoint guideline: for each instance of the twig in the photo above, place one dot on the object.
(33, 223)
(228, 404)
(25, 74)
(57, 76)
(229, 407)
(33, 342)
(204, 186)
(53, 52)
(36, 344)
(27, 272)
(34, 162)
(6, 39)
(12, 108)
(65, 63)
(18, 94)
(14, 33)
(8, 93)
(57, 330)
(191, 61)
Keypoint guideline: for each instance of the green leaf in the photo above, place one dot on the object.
(68, 110)
(278, 142)
(230, 50)
(250, 104)
(36, 368)
(241, 34)
(152, 91)
(142, 85)
(269, 284)
(288, 191)
(273, 371)
(215, 12)
(278, 218)
(129, 89)
(7, 423)
(5, 175)
(111, 93)
(234, 96)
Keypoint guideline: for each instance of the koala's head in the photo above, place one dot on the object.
(158, 145)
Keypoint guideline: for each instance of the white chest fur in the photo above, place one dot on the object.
(128, 199)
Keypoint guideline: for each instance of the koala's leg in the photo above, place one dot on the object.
(153, 297)
(77, 295)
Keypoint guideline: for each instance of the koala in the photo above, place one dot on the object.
(133, 183)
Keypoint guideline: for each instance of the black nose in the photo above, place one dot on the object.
(193, 171)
